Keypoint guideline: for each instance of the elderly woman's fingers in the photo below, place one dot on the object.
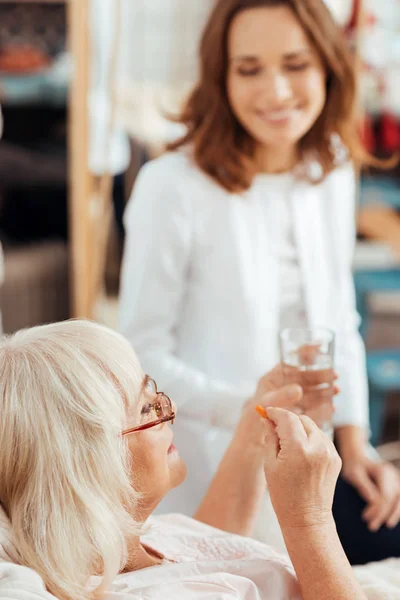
(289, 428)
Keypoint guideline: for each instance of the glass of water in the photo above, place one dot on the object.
(307, 357)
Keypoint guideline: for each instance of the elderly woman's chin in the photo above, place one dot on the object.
(177, 467)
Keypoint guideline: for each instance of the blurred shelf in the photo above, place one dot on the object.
(375, 255)
(49, 87)
(34, 1)
(380, 190)
(378, 258)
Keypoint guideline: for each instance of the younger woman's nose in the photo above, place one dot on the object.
(279, 89)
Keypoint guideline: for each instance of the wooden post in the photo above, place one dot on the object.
(81, 182)
(359, 32)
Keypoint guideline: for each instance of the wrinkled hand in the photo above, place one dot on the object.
(378, 483)
(301, 468)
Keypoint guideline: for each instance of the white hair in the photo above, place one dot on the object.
(64, 469)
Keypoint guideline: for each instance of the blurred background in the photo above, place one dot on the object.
(85, 86)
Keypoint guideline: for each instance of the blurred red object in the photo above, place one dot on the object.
(21, 60)
(390, 132)
(367, 134)
(368, 18)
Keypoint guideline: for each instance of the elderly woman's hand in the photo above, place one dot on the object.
(234, 497)
(251, 429)
(301, 468)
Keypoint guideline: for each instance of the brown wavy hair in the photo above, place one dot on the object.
(222, 147)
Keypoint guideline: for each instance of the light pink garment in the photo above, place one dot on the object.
(207, 564)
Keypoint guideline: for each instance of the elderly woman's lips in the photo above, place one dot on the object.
(172, 448)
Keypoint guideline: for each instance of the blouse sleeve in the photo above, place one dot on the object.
(352, 403)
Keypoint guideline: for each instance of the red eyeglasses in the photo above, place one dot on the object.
(161, 408)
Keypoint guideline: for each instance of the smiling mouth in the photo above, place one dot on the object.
(277, 116)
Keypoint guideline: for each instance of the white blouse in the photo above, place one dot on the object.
(292, 310)
(201, 563)
(209, 278)
(204, 562)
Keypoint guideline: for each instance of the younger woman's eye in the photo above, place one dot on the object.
(249, 72)
(299, 67)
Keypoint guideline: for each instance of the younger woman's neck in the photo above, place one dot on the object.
(275, 162)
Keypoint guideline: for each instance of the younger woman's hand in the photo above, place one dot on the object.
(319, 387)
(301, 468)
(251, 429)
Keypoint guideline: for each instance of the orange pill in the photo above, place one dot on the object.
(261, 411)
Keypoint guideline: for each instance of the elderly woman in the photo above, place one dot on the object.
(87, 453)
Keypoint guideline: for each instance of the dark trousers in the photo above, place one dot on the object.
(360, 544)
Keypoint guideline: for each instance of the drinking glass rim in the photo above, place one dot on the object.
(283, 332)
